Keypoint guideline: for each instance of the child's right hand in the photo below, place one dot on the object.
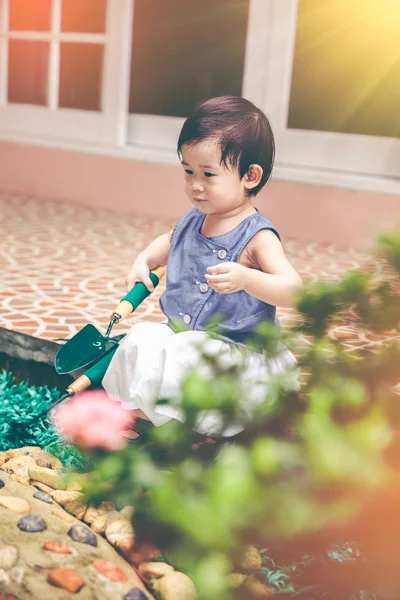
(140, 271)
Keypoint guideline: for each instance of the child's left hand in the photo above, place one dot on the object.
(226, 278)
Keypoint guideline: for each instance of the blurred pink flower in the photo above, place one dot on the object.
(92, 420)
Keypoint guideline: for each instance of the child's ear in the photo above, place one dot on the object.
(253, 176)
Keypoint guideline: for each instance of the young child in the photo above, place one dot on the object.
(223, 257)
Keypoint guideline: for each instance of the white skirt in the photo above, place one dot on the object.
(152, 361)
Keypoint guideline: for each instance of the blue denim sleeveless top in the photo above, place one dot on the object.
(189, 299)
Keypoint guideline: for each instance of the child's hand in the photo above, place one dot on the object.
(139, 272)
(226, 278)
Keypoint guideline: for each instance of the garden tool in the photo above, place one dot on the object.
(99, 356)
(92, 377)
(89, 345)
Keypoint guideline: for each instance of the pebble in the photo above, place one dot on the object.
(8, 557)
(18, 505)
(56, 547)
(82, 534)
(154, 570)
(67, 579)
(2, 484)
(176, 586)
(135, 594)
(73, 502)
(4, 579)
(109, 570)
(43, 487)
(47, 476)
(21, 480)
(32, 523)
(62, 515)
(43, 497)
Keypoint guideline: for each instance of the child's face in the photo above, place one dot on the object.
(210, 186)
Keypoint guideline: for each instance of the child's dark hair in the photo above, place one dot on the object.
(242, 130)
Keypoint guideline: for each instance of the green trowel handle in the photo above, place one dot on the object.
(97, 371)
(93, 376)
(138, 293)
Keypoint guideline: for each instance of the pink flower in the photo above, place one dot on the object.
(92, 420)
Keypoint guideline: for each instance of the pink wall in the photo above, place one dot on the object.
(310, 212)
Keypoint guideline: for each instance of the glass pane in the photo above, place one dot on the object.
(30, 15)
(27, 72)
(87, 16)
(182, 56)
(346, 71)
(81, 74)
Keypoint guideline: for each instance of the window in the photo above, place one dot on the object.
(121, 75)
(333, 86)
(181, 56)
(60, 73)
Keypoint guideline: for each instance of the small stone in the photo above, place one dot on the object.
(127, 512)
(251, 559)
(74, 486)
(7, 597)
(176, 586)
(62, 515)
(44, 488)
(109, 570)
(135, 594)
(154, 570)
(42, 457)
(32, 523)
(235, 580)
(121, 535)
(43, 497)
(99, 525)
(4, 577)
(93, 512)
(83, 535)
(66, 579)
(112, 516)
(20, 480)
(47, 476)
(258, 590)
(72, 502)
(18, 505)
(4, 457)
(8, 557)
(20, 466)
(2, 484)
(56, 547)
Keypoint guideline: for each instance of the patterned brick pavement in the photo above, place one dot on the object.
(64, 265)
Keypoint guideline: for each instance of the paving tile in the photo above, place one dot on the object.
(65, 265)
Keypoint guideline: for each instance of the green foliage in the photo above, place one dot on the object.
(305, 461)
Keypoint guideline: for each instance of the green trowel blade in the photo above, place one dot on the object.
(86, 347)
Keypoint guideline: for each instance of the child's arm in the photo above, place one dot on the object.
(155, 255)
(277, 282)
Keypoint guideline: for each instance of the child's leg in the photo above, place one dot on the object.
(134, 433)
(135, 361)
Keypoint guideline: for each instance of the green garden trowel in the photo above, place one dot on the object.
(89, 345)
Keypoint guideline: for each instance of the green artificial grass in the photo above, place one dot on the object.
(21, 403)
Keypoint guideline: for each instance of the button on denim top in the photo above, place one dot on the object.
(188, 298)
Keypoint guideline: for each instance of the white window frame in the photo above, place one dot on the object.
(343, 160)
(107, 126)
(337, 154)
(330, 158)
